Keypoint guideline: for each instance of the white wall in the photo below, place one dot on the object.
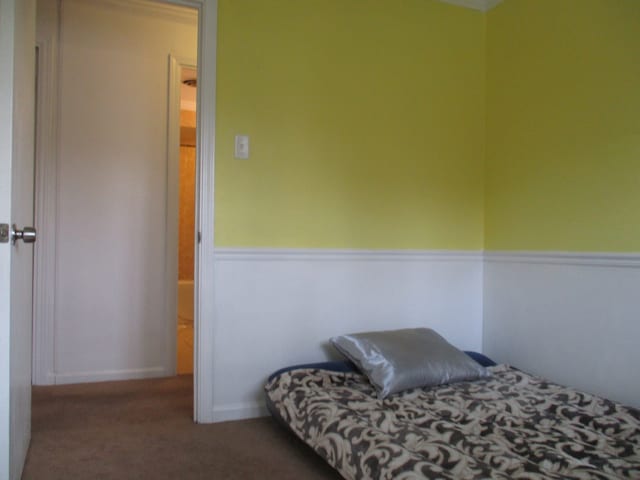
(572, 318)
(110, 319)
(276, 308)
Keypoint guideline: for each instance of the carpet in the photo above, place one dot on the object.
(143, 429)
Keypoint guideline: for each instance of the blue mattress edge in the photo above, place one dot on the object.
(348, 366)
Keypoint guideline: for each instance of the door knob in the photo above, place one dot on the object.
(27, 234)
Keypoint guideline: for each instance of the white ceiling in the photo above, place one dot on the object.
(482, 5)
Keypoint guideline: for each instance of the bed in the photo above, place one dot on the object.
(506, 425)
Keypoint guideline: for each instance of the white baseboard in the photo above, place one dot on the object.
(239, 411)
(108, 375)
(44, 378)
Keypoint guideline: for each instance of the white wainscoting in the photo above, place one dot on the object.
(572, 318)
(110, 375)
(276, 308)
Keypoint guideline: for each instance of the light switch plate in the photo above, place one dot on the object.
(242, 147)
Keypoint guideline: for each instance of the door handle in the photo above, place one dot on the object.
(27, 234)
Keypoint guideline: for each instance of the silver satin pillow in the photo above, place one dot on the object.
(398, 360)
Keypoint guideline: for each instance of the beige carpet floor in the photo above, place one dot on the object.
(142, 429)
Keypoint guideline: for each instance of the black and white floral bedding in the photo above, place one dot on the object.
(509, 426)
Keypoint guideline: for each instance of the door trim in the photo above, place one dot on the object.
(44, 281)
(46, 202)
(204, 289)
(204, 279)
(204, 319)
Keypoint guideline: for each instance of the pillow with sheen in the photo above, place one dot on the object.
(398, 360)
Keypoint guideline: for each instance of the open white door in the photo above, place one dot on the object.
(17, 103)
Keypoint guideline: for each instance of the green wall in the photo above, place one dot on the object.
(563, 126)
(369, 121)
(366, 121)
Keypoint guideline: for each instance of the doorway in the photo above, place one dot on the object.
(186, 218)
(104, 195)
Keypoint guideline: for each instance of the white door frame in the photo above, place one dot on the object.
(204, 289)
(46, 168)
(204, 294)
(44, 281)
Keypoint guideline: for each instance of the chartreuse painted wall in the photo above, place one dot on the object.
(366, 121)
(563, 126)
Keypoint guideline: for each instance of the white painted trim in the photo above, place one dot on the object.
(591, 259)
(109, 375)
(46, 198)
(239, 411)
(607, 259)
(173, 11)
(481, 5)
(203, 315)
(204, 288)
(321, 254)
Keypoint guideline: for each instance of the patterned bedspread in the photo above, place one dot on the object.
(511, 425)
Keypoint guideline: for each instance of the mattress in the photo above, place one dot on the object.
(511, 425)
